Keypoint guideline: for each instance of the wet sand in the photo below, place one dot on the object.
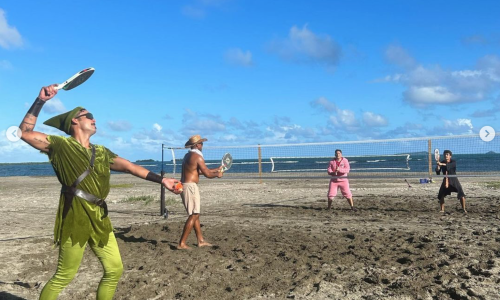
(273, 240)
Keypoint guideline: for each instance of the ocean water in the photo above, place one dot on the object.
(467, 164)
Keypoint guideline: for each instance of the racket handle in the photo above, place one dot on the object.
(61, 85)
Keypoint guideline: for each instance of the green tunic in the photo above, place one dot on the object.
(83, 221)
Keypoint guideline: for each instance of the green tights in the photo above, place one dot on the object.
(69, 261)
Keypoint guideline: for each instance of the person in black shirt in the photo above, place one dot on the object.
(450, 184)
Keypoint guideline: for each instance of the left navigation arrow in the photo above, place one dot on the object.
(13, 133)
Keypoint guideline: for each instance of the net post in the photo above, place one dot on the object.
(162, 189)
(260, 164)
(429, 143)
(173, 160)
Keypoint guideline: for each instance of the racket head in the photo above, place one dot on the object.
(76, 79)
(436, 154)
(227, 162)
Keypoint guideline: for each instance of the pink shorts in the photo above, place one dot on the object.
(342, 185)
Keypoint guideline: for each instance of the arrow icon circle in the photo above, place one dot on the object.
(13, 133)
(487, 133)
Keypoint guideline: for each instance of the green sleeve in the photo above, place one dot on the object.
(55, 141)
(111, 155)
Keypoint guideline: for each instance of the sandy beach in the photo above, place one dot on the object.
(273, 240)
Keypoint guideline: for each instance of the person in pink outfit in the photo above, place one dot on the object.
(338, 169)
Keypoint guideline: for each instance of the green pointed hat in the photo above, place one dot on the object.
(63, 121)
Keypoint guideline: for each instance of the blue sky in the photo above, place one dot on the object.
(252, 72)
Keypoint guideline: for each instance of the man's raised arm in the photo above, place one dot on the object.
(36, 139)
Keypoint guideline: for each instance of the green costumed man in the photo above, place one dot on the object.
(83, 169)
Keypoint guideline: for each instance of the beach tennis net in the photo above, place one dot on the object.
(411, 157)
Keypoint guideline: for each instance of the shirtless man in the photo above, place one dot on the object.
(193, 165)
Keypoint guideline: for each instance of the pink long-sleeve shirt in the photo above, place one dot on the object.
(344, 169)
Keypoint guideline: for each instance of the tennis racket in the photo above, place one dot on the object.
(76, 79)
(338, 165)
(436, 154)
(227, 162)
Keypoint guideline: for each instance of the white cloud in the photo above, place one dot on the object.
(408, 130)
(239, 57)
(345, 119)
(399, 56)
(119, 143)
(465, 122)
(389, 78)
(150, 139)
(421, 76)
(54, 106)
(485, 113)
(204, 125)
(146, 144)
(490, 112)
(299, 133)
(430, 95)
(490, 64)
(341, 121)
(289, 133)
(235, 123)
(7, 146)
(427, 86)
(466, 73)
(9, 36)
(247, 129)
(119, 125)
(481, 40)
(157, 127)
(197, 123)
(228, 138)
(456, 127)
(284, 129)
(323, 104)
(19, 151)
(155, 135)
(303, 45)
(374, 120)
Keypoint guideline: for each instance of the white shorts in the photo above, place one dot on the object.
(191, 197)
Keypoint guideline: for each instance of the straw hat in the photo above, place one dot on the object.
(195, 139)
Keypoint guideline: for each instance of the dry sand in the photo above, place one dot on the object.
(274, 240)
